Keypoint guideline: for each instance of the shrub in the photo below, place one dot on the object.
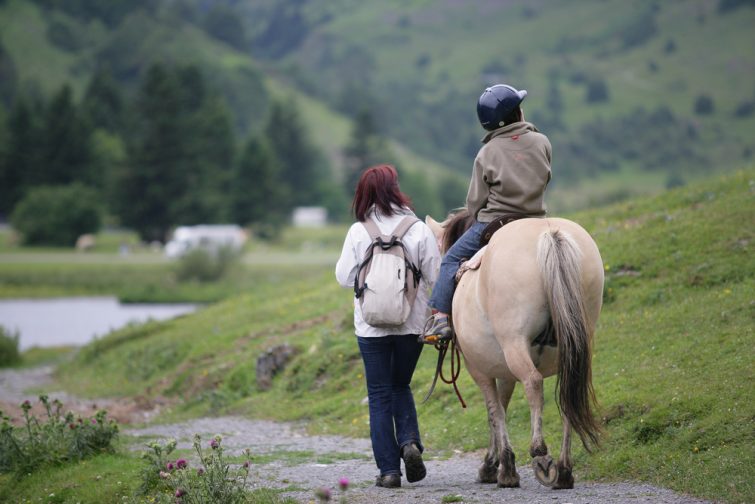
(57, 215)
(212, 481)
(59, 439)
(745, 109)
(597, 91)
(205, 265)
(9, 354)
(704, 105)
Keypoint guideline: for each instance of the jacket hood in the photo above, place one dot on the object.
(510, 130)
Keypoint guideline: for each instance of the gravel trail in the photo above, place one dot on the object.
(300, 463)
(334, 457)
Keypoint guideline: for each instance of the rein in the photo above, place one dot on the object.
(455, 368)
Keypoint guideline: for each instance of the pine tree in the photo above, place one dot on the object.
(211, 144)
(19, 163)
(303, 168)
(103, 105)
(153, 180)
(365, 148)
(257, 193)
(66, 147)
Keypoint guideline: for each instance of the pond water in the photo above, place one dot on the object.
(76, 321)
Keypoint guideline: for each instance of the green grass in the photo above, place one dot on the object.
(105, 478)
(672, 365)
(147, 276)
(38, 356)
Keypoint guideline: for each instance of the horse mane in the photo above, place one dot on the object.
(456, 224)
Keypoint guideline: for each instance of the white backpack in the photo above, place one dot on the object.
(386, 281)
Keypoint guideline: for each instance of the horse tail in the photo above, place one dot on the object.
(559, 258)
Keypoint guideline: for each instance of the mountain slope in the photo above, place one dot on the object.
(656, 91)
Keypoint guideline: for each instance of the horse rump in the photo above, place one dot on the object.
(559, 258)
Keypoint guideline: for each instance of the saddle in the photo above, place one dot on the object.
(498, 223)
(474, 262)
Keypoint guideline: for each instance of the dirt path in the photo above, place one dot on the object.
(300, 463)
(304, 463)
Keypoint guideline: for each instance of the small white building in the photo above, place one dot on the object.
(313, 216)
(210, 237)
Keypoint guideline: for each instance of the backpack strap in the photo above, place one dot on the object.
(372, 228)
(404, 226)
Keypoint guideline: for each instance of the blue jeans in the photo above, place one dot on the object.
(389, 363)
(464, 248)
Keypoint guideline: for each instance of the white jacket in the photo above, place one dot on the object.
(423, 252)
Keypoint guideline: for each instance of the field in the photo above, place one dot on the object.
(672, 368)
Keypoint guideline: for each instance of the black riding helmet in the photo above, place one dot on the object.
(496, 103)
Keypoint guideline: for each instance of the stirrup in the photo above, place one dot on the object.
(432, 335)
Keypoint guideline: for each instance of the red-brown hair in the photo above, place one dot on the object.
(378, 186)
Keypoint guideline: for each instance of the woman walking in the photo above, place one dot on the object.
(390, 353)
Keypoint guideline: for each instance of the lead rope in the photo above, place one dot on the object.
(442, 349)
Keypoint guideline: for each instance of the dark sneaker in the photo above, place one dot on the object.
(415, 467)
(388, 481)
(437, 330)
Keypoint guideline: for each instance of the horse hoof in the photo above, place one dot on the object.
(508, 481)
(545, 470)
(565, 479)
(487, 477)
(488, 473)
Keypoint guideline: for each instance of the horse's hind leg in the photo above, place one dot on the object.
(521, 365)
(564, 467)
(498, 465)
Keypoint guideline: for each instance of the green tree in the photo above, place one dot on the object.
(57, 215)
(704, 105)
(180, 155)
(153, 178)
(452, 191)
(8, 76)
(303, 167)
(597, 91)
(208, 168)
(365, 148)
(103, 104)
(422, 193)
(20, 160)
(224, 24)
(66, 147)
(258, 194)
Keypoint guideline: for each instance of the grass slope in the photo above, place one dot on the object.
(672, 368)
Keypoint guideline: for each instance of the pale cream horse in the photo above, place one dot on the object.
(528, 312)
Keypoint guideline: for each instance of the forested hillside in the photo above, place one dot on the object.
(652, 93)
(178, 112)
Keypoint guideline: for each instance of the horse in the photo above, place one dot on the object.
(528, 312)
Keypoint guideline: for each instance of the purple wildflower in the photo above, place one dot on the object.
(181, 463)
(169, 466)
(214, 444)
(200, 471)
(323, 494)
(180, 492)
(343, 483)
